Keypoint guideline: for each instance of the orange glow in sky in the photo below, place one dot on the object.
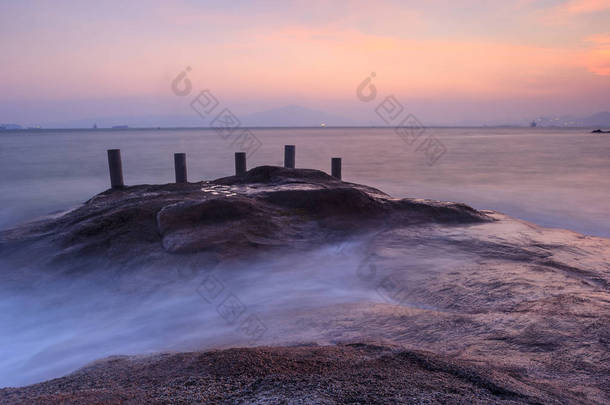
(551, 54)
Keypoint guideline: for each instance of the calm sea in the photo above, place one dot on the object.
(552, 177)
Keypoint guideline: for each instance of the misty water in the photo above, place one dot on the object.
(53, 325)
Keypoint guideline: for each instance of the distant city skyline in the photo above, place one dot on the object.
(449, 63)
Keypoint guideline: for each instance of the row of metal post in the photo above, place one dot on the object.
(116, 167)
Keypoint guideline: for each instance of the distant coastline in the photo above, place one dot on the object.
(299, 117)
(186, 128)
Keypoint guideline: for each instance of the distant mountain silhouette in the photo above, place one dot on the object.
(293, 116)
(10, 126)
(600, 119)
(288, 116)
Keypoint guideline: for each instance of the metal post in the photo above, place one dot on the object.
(116, 168)
(335, 164)
(289, 156)
(240, 163)
(180, 166)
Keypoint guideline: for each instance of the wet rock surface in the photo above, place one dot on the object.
(524, 308)
(265, 208)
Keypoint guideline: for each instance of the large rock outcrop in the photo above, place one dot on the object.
(268, 207)
(525, 304)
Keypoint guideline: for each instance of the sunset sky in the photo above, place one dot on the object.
(449, 62)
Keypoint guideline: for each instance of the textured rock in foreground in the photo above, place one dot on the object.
(477, 287)
(356, 373)
(265, 208)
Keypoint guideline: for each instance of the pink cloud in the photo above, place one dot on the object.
(573, 10)
(598, 58)
(584, 6)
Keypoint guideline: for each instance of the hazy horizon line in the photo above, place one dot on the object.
(136, 128)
